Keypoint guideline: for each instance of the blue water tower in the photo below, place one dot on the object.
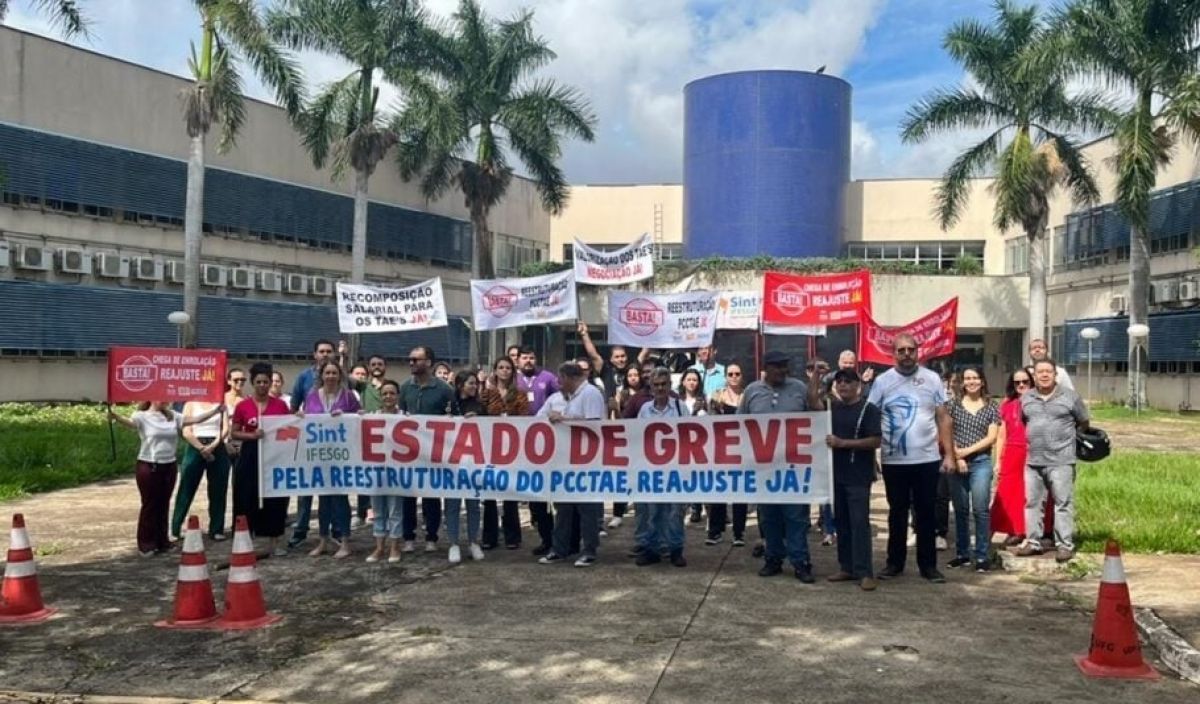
(766, 161)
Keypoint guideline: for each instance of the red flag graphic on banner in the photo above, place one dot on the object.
(936, 334)
(165, 374)
(815, 299)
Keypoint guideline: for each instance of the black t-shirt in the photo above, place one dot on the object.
(854, 466)
(612, 378)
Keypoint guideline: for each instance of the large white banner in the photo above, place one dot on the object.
(662, 320)
(759, 459)
(376, 309)
(739, 310)
(507, 303)
(634, 262)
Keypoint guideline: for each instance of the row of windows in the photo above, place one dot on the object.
(943, 254)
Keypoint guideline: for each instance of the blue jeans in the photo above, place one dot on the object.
(452, 523)
(975, 488)
(333, 513)
(826, 520)
(303, 518)
(389, 516)
(643, 531)
(666, 526)
(785, 528)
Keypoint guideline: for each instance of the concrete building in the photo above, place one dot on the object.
(92, 179)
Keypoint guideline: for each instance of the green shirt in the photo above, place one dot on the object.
(432, 399)
(371, 401)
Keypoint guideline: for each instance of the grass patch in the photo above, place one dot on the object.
(1149, 501)
(1114, 412)
(56, 447)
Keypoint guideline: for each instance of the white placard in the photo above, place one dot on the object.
(739, 310)
(377, 309)
(537, 300)
(634, 262)
(662, 320)
(813, 330)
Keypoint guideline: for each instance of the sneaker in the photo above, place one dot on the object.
(295, 542)
(603, 533)
(542, 549)
(983, 566)
(146, 553)
(1064, 555)
(455, 555)
(959, 562)
(648, 557)
(739, 542)
(827, 540)
(890, 572)
(585, 561)
(615, 522)
(408, 546)
(355, 522)
(934, 576)
(218, 537)
(804, 573)
(770, 569)
(677, 559)
(941, 543)
(1029, 549)
(430, 546)
(868, 584)
(696, 516)
(912, 540)
(1047, 542)
(713, 540)
(280, 551)
(394, 558)
(550, 558)
(476, 551)
(840, 576)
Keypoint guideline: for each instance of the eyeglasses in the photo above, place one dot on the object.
(415, 360)
(905, 350)
(1022, 382)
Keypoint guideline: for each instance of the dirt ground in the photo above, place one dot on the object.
(1164, 433)
(507, 629)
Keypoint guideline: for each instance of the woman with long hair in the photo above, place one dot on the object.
(277, 387)
(468, 405)
(725, 401)
(268, 521)
(1008, 507)
(158, 429)
(501, 397)
(332, 398)
(632, 384)
(235, 392)
(691, 393)
(976, 425)
(388, 525)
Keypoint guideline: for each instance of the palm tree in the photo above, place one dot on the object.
(1149, 48)
(1021, 98)
(479, 103)
(63, 14)
(231, 31)
(343, 123)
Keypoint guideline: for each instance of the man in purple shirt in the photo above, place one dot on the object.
(537, 384)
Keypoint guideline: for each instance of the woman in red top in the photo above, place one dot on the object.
(1008, 508)
(268, 521)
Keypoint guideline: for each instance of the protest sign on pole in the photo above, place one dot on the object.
(815, 299)
(364, 308)
(774, 459)
(165, 374)
(739, 310)
(634, 262)
(935, 333)
(537, 300)
(662, 320)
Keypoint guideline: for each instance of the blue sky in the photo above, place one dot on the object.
(632, 58)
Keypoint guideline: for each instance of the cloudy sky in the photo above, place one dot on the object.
(633, 57)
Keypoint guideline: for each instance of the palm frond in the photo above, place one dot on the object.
(228, 105)
(309, 24)
(562, 109)
(64, 15)
(955, 187)
(1075, 170)
(951, 109)
(324, 120)
(1141, 149)
(241, 27)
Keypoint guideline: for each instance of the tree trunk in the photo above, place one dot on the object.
(193, 230)
(482, 267)
(1139, 304)
(358, 247)
(1037, 282)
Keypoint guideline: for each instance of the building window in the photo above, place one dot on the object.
(668, 252)
(512, 253)
(1016, 256)
(941, 254)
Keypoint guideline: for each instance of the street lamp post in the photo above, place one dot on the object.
(179, 319)
(1139, 333)
(1089, 334)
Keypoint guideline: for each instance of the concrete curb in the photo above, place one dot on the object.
(1176, 653)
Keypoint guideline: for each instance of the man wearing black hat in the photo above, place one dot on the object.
(855, 437)
(785, 526)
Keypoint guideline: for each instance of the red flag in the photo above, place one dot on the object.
(815, 299)
(936, 334)
(289, 433)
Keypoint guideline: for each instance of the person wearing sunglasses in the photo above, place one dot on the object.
(918, 446)
(665, 520)
(725, 402)
(1008, 508)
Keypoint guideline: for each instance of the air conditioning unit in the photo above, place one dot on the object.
(270, 281)
(148, 269)
(5, 262)
(241, 277)
(296, 283)
(214, 275)
(1117, 304)
(112, 265)
(322, 286)
(173, 272)
(1164, 291)
(1189, 291)
(32, 257)
(73, 260)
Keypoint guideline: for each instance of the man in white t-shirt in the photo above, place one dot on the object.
(576, 400)
(1038, 351)
(918, 443)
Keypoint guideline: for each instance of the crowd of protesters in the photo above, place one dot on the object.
(935, 441)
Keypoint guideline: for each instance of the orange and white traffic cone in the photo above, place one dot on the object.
(21, 597)
(244, 604)
(194, 603)
(1115, 650)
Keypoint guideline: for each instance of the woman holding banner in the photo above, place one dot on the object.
(204, 455)
(158, 429)
(466, 404)
(332, 398)
(501, 398)
(388, 509)
(725, 402)
(269, 520)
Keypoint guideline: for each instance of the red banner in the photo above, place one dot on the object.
(817, 299)
(935, 333)
(165, 374)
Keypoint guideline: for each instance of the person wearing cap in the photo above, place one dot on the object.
(785, 526)
(856, 434)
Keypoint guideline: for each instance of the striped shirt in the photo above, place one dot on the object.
(1050, 424)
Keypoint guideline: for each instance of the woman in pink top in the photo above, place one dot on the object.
(332, 398)
(269, 520)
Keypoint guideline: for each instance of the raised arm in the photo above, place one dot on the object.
(219, 408)
(121, 419)
(590, 347)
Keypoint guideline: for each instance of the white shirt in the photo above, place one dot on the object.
(160, 437)
(909, 406)
(210, 428)
(1063, 379)
(672, 410)
(587, 403)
